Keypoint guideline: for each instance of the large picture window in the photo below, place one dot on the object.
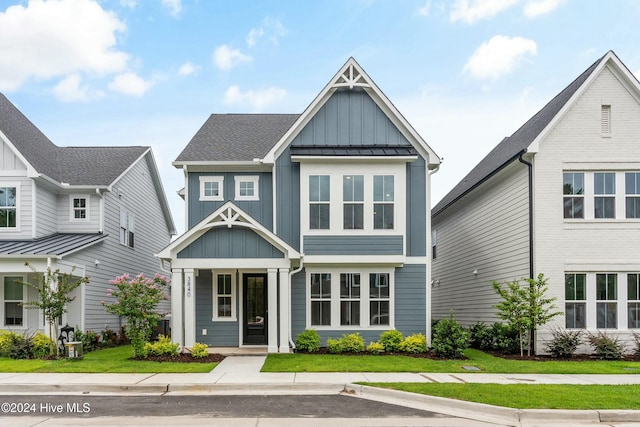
(320, 299)
(606, 301)
(353, 202)
(383, 196)
(575, 289)
(8, 207)
(319, 202)
(573, 190)
(13, 300)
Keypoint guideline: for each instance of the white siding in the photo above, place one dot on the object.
(9, 160)
(486, 231)
(46, 214)
(66, 225)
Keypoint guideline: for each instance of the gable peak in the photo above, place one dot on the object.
(351, 76)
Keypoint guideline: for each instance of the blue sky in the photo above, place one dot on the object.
(465, 73)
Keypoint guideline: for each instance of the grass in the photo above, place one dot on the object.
(485, 362)
(110, 360)
(531, 396)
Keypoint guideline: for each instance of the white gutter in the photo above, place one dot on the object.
(297, 270)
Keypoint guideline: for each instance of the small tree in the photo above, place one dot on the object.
(525, 307)
(53, 289)
(137, 300)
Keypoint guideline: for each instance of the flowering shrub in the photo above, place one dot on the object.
(137, 300)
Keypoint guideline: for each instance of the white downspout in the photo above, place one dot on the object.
(297, 270)
(428, 251)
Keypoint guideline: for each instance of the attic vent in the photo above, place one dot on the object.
(605, 120)
(350, 78)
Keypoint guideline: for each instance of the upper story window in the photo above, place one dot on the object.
(434, 243)
(319, 202)
(211, 188)
(247, 187)
(353, 198)
(127, 228)
(632, 191)
(383, 198)
(8, 207)
(604, 185)
(573, 190)
(13, 295)
(79, 208)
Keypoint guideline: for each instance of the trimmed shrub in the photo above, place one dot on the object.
(109, 338)
(334, 346)
(606, 347)
(449, 338)
(352, 343)
(309, 340)
(506, 339)
(41, 345)
(8, 341)
(416, 343)
(636, 337)
(162, 347)
(375, 348)
(199, 350)
(480, 336)
(564, 342)
(90, 340)
(392, 341)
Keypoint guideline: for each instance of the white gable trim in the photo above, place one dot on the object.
(352, 75)
(617, 68)
(228, 215)
(31, 171)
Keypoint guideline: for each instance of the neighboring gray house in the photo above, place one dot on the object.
(561, 196)
(100, 210)
(318, 220)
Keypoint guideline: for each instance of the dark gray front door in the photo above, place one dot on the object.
(255, 309)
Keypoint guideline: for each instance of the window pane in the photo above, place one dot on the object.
(573, 183)
(353, 188)
(607, 315)
(606, 288)
(604, 183)
(13, 288)
(320, 313)
(605, 207)
(224, 306)
(633, 287)
(353, 216)
(379, 285)
(319, 216)
(383, 216)
(314, 188)
(383, 190)
(12, 313)
(350, 313)
(574, 207)
(633, 314)
(379, 312)
(632, 207)
(575, 315)
(79, 203)
(631, 183)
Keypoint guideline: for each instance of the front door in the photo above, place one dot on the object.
(255, 309)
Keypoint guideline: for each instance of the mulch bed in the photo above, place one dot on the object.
(184, 358)
(575, 358)
(428, 355)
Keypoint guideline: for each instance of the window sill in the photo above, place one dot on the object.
(224, 319)
(351, 328)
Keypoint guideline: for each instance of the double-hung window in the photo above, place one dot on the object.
(350, 299)
(127, 228)
(13, 300)
(353, 201)
(633, 300)
(606, 300)
(632, 192)
(383, 196)
(320, 299)
(8, 207)
(223, 297)
(604, 185)
(319, 202)
(379, 298)
(575, 291)
(79, 208)
(573, 190)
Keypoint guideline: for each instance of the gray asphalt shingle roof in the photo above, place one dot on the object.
(54, 245)
(72, 165)
(236, 137)
(512, 146)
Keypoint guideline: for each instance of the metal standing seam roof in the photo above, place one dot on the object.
(373, 151)
(512, 146)
(55, 245)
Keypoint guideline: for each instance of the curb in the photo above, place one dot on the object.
(85, 388)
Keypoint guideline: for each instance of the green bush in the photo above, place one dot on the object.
(416, 343)
(606, 347)
(334, 346)
(392, 341)
(564, 342)
(8, 341)
(505, 338)
(375, 348)
(449, 338)
(636, 337)
(29, 345)
(162, 347)
(41, 345)
(480, 336)
(90, 340)
(309, 340)
(109, 338)
(199, 350)
(353, 343)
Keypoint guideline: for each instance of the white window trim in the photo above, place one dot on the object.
(364, 298)
(24, 300)
(219, 180)
(132, 215)
(628, 301)
(255, 179)
(234, 315)
(17, 227)
(72, 210)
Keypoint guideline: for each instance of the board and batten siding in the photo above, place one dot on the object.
(486, 231)
(219, 334)
(353, 245)
(288, 199)
(234, 242)
(261, 210)
(416, 181)
(9, 161)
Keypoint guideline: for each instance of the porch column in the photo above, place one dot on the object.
(285, 291)
(177, 325)
(272, 307)
(189, 307)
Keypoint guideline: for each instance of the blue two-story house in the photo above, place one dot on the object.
(315, 220)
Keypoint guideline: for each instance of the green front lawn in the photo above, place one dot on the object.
(299, 362)
(531, 396)
(110, 360)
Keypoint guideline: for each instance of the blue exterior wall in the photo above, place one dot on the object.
(219, 334)
(416, 208)
(261, 210)
(353, 245)
(233, 242)
(288, 200)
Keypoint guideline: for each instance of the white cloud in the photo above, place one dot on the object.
(426, 9)
(226, 57)
(188, 69)
(70, 89)
(271, 29)
(254, 35)
(256, 99)
(131, 4)
(45, 40)
(173, 6)
(130, 83)
(535, 8)
(498, 56)
(470, 11)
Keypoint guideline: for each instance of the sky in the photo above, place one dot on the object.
(464, 73)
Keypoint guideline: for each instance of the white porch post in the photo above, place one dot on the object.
(285, 289)
(272, 306)
(189, 307)
(177, 319)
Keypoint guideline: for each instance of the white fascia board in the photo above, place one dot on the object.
(390, 260)
(351, 159)
(210, 164)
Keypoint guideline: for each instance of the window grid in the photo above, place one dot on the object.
(604, 184)
(127, 228)
(633, 300)
(224, 296)
(573, 190)
(13, 300)
(379, 298)
(320, 299)
(632, 192)
(350, 299)
(79, 208)
(353, 202)
(606, 297)
(319, 202)
(575, 300)
(383, 198)
(8, 207)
